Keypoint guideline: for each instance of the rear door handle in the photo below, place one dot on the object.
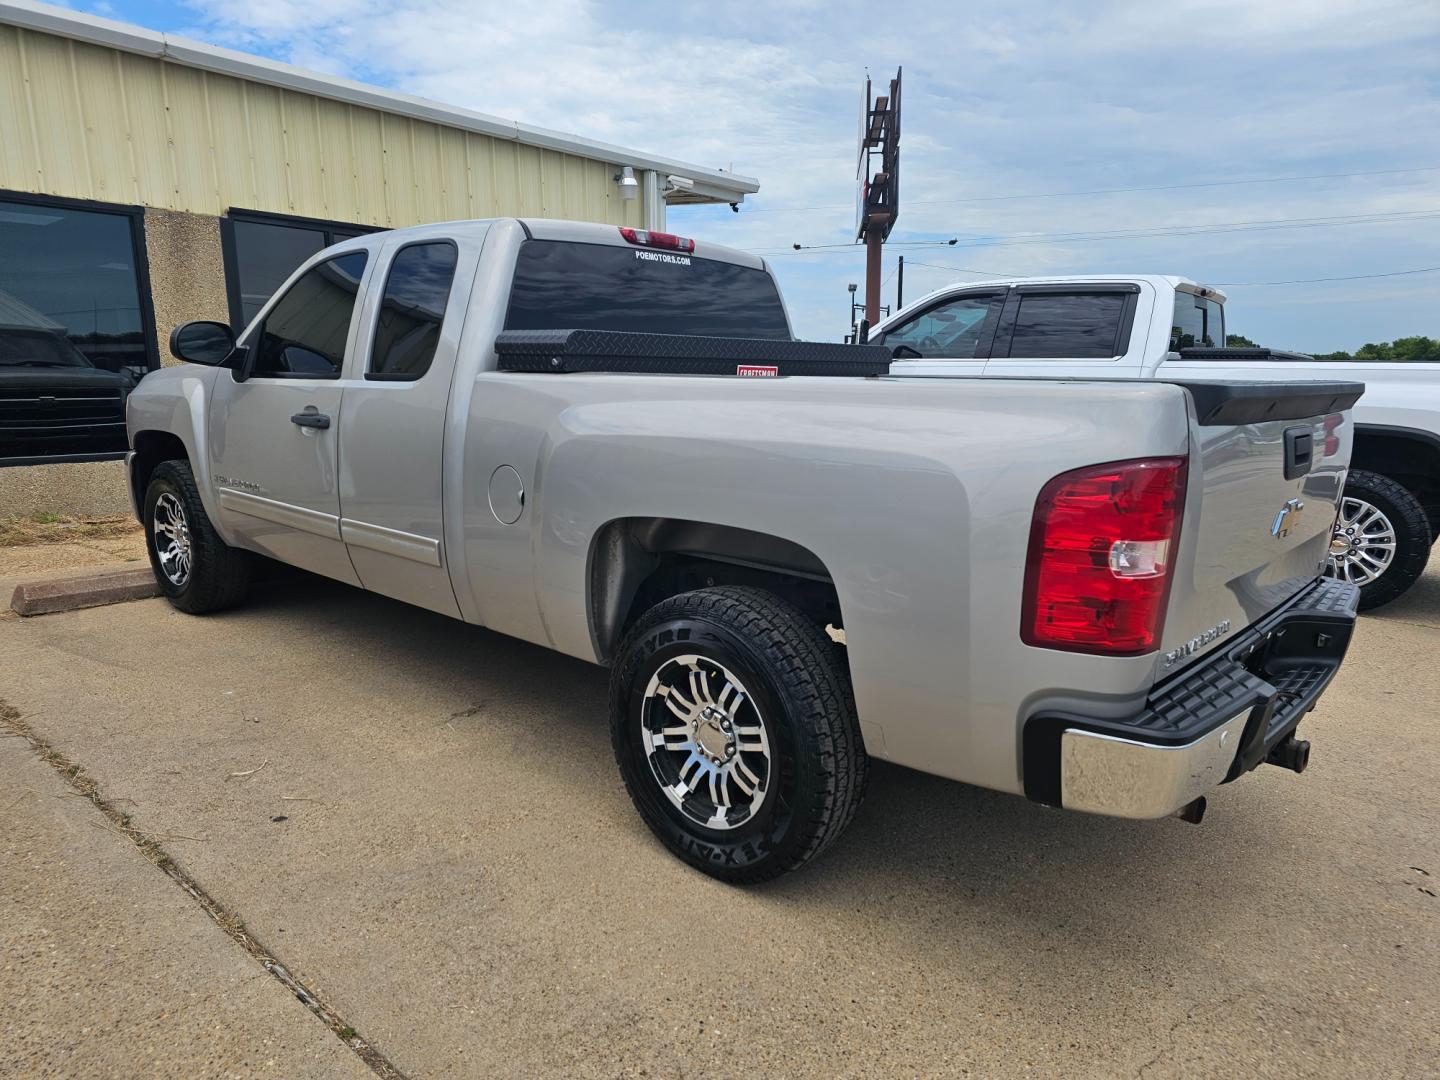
(311, 418)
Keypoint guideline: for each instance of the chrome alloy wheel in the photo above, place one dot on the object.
(1363, 546)
(706, 742)
(172, 539)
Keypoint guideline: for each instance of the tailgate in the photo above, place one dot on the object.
(1267, 466)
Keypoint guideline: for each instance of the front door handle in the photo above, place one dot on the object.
(311, 418)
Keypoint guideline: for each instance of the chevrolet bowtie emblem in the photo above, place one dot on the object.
(1287, 518)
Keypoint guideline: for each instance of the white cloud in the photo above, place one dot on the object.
(1020, 98)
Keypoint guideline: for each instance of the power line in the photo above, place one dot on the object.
(1106, 191)
(1208, 228)
(1230, 284)
(1351, 277)
(963, 269)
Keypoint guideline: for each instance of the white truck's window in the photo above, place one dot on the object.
(412, 309)
(1198, 323)
(950, 331)
(1067, 326)
(304, 333)
(560, 285)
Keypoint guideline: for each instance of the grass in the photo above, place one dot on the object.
(60, 528)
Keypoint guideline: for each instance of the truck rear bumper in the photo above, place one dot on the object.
(1210, 724)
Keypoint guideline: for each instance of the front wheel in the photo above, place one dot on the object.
(197, 571)
(734, 728)
(1382, 538)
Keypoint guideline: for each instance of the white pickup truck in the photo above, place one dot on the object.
(1106, 596)
(1147, 326)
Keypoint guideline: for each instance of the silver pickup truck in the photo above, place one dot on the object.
(1104, 595)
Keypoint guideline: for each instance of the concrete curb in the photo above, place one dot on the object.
(91, 590)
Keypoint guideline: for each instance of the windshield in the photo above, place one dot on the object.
(38, 349)
(560, 285)
(1199, 323)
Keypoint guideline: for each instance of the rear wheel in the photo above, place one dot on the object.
(1382, 538)
(734, 728)
(197, 571)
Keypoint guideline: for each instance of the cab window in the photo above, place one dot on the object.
(412, 310)
(304, 334)
(954, 330)
(1074, 326)
(1198, 323)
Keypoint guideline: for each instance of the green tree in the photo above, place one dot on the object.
(1239, 341)
(1416, 350)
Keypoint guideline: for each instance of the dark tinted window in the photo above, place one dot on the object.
(1198, 322)
(412, 310)
(262, 251)
(70, 275)
(265, 255)
(1080, 325)
(304, 334)
(952, 330)
(567, 286)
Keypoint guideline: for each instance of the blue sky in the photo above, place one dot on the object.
(1001, 103)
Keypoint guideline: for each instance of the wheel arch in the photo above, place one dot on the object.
(1409, 456)
(150, 449)
(636, 562)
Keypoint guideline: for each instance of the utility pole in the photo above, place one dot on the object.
(877, 174)
(900, 285)
(873, 243)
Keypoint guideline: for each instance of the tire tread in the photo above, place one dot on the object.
(219, 574)
(820, 690)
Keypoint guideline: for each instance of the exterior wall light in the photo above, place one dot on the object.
(628, 185)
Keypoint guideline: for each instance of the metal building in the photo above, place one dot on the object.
(146, 180)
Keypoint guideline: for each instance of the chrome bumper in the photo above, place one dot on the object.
(1105, 774)
(1209, 724)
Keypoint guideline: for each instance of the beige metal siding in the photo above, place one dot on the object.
(89, 122)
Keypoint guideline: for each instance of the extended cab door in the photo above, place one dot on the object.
(1087, 330)
(952, 336)
(274, 439)
(393, 441)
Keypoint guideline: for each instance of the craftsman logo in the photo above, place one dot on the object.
(660, 256)
(757, 371)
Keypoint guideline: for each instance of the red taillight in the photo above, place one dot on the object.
(646, 238)
(1332, 441)
(1101, 549)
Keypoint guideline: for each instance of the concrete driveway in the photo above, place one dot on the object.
(430, 833)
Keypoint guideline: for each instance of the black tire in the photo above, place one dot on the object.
(218, 575)
(1412, 536)
(799, 690)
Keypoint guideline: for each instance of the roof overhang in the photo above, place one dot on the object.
(708, 185)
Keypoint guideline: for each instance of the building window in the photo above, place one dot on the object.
(73, 270)
(76, 328)
(262, 250)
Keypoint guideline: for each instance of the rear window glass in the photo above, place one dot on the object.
(1079, 326)
(569, 286)
(1198, 323)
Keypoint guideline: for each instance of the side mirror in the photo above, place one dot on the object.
(862, 336)
(202, 342)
